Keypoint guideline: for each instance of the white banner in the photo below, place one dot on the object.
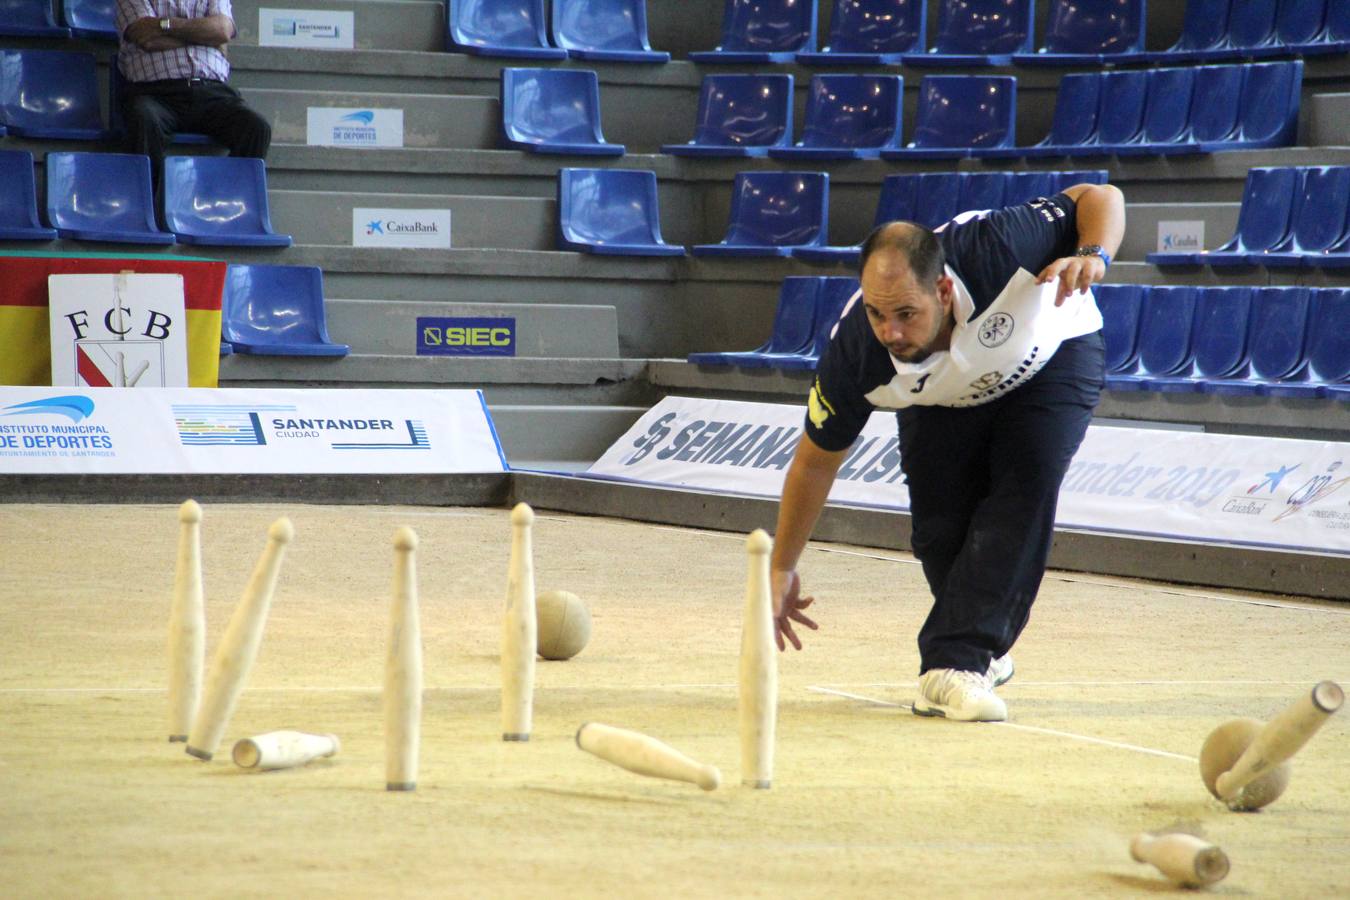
(311, 28)
(199, 430)
(1263, 492)
(427, 228)
(332, 126)
(1181, 237)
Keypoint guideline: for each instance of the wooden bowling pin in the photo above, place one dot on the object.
(519, 631)
(403, 671)
(645, 755)
(239, 647)
(283, 750)
(1281, 738)
(1184, 858)
(758, 669)
(187, 625)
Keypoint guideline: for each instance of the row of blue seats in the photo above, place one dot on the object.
(852, 116)
(275, 311)
(614, 211)
(208, 200)
(808, 307)
(1271, 341)
(891, 32)
(1277, 341)
(36, 18)
(53, 95)
(1291, 217)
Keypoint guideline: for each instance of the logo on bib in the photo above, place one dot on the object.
(817, 407)
(996, 329)
(986, 381)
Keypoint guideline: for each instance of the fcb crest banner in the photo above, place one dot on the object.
(1232, 489)
(200, 431)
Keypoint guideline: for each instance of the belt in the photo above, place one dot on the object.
(175, 83)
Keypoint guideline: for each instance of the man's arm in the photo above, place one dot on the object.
(1101, 220)
(805, 489)
(210, 31)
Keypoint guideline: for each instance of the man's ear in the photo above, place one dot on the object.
(946, 291)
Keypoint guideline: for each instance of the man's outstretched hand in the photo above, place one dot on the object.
(787, 608)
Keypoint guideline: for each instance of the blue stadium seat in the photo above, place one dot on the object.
(1338, 24)
(1318, 221)
(102, 197)
(1121, 113)
(1278, 341)
(1074, 123)
(1087, 32)
(614, 30)
(1301, 27)
(1026, 186)
(895, 201)
(1251, 28)
(983, 190)
(1263, 221)
(92, 19)
(1080, 176)
(1219, 335)
(1327, 369)
(1120, 305)
(50, 94)
(276, 311)
(1267, 114)
(761, 31)
(958, 113)
(18, 199)
(30, 18)
(1203, 28)
(1165, 121)
(116, 121)
(793, 327)
(834, 293)
(772, 212)
(849, 117)
(611, 212)
(219, 201)
(935, 198)
(553, 111)
(740, 115)
(512, 28)
(871, 33)
(1166, 321)
(979, 33)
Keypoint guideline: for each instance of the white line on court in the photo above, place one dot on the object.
(1032, 728)
(371, 689)
(1023, 683)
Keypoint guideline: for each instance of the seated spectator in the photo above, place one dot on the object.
(173, 59)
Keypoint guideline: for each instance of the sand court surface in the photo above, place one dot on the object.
(1118, 682)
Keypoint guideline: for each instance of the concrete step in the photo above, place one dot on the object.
(1141, 231)
(1325, 120)
(518, 223)
(540, 330)
(428, 120)
(567, 437)
(379, 24)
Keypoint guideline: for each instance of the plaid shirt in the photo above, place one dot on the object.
(192, 61)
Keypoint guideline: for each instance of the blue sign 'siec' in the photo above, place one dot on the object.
(465, 336)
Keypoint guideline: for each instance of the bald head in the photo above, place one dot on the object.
(904, 248)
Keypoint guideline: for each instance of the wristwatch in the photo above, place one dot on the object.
(1094, 250)
(164, 24)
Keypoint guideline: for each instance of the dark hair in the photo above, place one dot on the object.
(919, 246)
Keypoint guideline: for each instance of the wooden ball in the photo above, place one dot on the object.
(564, 624)
(1222, 749)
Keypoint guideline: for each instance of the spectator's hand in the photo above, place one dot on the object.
(787, 608)
(1075, 273)
(143, 30)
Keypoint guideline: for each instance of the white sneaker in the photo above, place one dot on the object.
(958, 694)
(1000, 670)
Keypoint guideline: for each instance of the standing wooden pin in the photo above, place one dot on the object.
(519, 631)
(239, 647)
(187, 625)
(403, 671)
(759, 669)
